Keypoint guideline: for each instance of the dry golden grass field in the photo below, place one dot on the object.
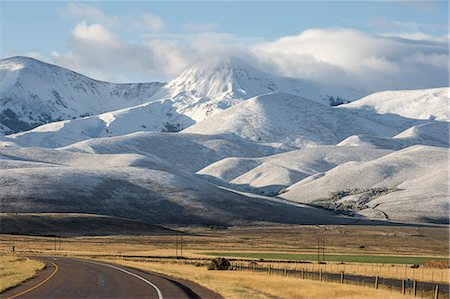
(363, 240)
(16, 269)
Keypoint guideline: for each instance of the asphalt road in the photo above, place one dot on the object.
(77, 278)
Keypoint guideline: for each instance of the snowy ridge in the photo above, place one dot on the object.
(429, 133)
(407, 185)
(34, 93)
(189, 152)
(209, 87)
(155, 116)
(417, 104)
(271, 174)
(295, 121)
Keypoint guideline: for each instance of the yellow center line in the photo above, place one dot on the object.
(39, 284)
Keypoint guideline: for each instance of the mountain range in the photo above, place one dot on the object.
(223, 143)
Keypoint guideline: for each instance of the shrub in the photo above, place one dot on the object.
(219, 263)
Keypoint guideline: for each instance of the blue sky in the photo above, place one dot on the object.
(58, 31)
(44, 26)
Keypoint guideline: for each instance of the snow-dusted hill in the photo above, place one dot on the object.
(429, 133)
(189, 152)
(133, 186)
(159, 116)
(34, 93)
(285, 119)
(407, 185)
(215, 85)
(418, 104)
(271, 174)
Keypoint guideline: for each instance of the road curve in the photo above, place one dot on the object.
(77, 278)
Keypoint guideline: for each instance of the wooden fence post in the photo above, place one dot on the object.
(342, 277)
(320, 275)
(415, 288)
(403, 287)
(436, 292)
(376, 281)
(303, 273)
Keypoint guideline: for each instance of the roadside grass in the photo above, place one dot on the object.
(381, 259)
(15, 270)
(243, 284)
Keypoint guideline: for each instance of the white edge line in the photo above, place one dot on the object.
(160, 296)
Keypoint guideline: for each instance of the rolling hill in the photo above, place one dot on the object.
(38, 180)
(270, 175)
(417, 104)
(280, 118)
(406, 185)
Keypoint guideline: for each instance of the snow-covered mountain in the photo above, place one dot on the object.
(418, 104)
(116, 150)
(280, 119)
(218, 84)
(285, 119)
(33, 93)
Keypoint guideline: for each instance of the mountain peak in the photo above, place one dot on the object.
(221, 78)
(229, 63)
(15, 63)
(21, 62)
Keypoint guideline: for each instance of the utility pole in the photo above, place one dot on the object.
(318, 248)
(323, 249)
(181, 246)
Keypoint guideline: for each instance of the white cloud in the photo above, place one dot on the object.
(94, 33)
(200, 27)
(147, 22)
(98, 52)
(90, 13)
(372, 61)
(338, 55)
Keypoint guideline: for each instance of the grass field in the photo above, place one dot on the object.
(286, 241)
(382, 259)
(244, 284)
(14, 270)
(344, 240)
